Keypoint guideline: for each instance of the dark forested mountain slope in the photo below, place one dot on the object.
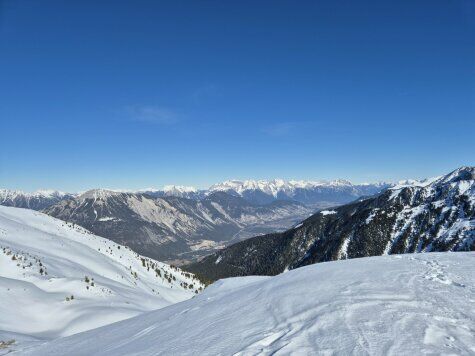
(433, 215)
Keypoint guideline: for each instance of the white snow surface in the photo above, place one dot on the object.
(387, 305)
(179, 189)
(44, 260)
(328, 212)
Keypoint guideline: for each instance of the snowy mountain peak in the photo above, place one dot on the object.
(44, 193)
(267, 186)
(48, 193)
(340, 182)
(463, 176)
(179, 189)
(465, 173)
(307, 192)
(275, 185)
(99, 194)
(37, 200)
(6, 193)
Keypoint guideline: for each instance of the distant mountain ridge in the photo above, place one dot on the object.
(312, 193)
(175, 191)
(38, 200)
(415, 216)
(181, 224)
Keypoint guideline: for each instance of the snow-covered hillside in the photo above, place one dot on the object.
(57, 279)
(391, 305)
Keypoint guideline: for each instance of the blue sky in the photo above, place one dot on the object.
(131, 94)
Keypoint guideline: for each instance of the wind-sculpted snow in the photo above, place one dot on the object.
(391, 305)
(58, 279)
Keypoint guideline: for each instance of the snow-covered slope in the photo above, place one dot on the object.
(391, 305)
(57, 279)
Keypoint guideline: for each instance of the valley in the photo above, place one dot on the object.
(242, 178)
(85, 267)
(437, 214)
(179, 224)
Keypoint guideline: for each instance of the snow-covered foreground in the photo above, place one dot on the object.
(391, 305)
(57, 279)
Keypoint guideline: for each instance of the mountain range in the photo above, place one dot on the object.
(319, 287)
(38, 200)
(311, 193)
(181, 224)
(318, 194)
(433, 215)
(173, 228)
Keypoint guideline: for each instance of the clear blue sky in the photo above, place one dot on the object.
(130, 94)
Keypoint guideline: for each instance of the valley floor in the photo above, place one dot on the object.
(391, 305)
